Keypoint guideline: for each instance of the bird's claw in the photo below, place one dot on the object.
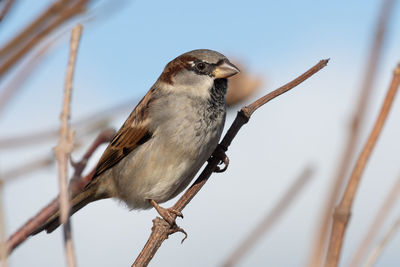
(225, 161)
(220, 153)
(175, 229)
(176, 212)
(167, 214)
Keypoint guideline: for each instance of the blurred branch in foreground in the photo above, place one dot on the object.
(65, 146)
(376, 225)
(270, 219)
(342, 212)
(162, 229)
(54, 16)
(77, 183)
(349, 149)
(376, 252)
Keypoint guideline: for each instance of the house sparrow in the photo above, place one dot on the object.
(165, 140)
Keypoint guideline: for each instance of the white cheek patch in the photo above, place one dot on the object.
(202, 89)
(195, 85)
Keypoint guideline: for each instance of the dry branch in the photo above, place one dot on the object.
(269, 220)
(161, 229)
(342, 212)
(383, 212)
(77, 184)
(56, 15)
(64, 148)
(357, 119)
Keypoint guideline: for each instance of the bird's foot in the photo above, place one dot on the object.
(220, 153)
(169, 215)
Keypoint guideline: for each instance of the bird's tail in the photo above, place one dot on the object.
(77, 202)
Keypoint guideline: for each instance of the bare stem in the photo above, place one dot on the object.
(57, 14)
(65, 146)
(350, 146)
(77, 184)
(342, 212)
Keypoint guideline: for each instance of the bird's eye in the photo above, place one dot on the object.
(200, 66)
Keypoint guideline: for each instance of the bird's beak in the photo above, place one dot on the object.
(225, 70)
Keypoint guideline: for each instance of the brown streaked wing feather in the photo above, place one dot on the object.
(132, 134)
(127, 140)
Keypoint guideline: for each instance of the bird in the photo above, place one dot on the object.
(165, 140)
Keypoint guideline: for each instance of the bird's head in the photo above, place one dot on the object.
(196, 71)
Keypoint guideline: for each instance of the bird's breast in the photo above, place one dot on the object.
(189, 124)
(185, 132)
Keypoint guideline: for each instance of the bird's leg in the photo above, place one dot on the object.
(166, 214)
(220, 153)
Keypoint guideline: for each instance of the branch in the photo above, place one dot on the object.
(349, 150)
(76, 185)
(64, 148)
(383, 212)
(161, 229)
(270, 219)
(342, 212)
(57, 14)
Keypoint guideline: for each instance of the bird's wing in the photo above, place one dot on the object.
(133, 133)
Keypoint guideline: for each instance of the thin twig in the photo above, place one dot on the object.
(382, 214)
(270, 219)
(376, 252)
(76, 185)
(346, 158)
(342, 212)
(161, 229)
(32, 27)
(65, 146)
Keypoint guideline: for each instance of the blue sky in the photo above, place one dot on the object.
(121, 56)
